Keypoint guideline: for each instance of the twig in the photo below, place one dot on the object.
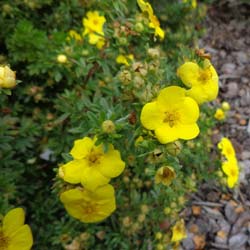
(219, 246)
(207, 203)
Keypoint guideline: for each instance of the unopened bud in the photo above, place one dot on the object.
(62, 58)
(125, 77)
(108, 126)
(7, 77)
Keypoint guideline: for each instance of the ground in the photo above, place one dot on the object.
(219, 218)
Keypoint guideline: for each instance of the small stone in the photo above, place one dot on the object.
(228, 68)
(188, 243)
(245, 155)
(232, 90)
(243, 122)
(230, 212)
(237, 241)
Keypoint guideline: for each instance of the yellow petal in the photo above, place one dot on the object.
(189, 111)
(73, 195)
(73, 170)
(22, 239)
(189, 73)
(188, 131)
(171, 96)
(88, 206)
(82, 148)
(151, 116)
(91, 178)
(166, 134)
(159, 32)
(111, 164)
(145, 7)
(13, 220)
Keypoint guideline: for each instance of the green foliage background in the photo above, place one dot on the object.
(57, 103)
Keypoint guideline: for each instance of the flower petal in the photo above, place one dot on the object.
(151, 116)
(171, 96)
(111, 164)
(73, 170)
(22, 239)
(188, 131)
(91, 178)
(166, 134)
(189, 73)
(13, 220)
(81, 148)
(189, 111)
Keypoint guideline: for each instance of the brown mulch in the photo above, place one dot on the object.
(216, 219)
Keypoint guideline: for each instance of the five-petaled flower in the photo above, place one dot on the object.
(226, 148)
(231, 169)
(91, 166)
(89, 206)
(202, 81)
(14, 234)
(93, 27)
(172, 115)
(153, 20)
(230, 165)
(179, 231)
(219, 114)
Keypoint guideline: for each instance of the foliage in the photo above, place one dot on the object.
(68, 89)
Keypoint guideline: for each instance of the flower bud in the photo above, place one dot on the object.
(139, 27)
(126, 221)
(174, 148)
(108, 126)
(225, 106)
(141, 218)
(159, 247)
(144, 208)
(7, 77)
(125, 77)
(158, 235)
(153, 52)
(62, 58)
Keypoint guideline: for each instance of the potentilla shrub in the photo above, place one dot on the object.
(111, 121)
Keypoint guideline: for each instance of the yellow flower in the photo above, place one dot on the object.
(231, 169)
(165, 175)
(153, 20)
(172, 116)
(73, 34)
(92, 167)
(93, 27)
(7, 77)
(124, 59)
(219, 114)
(193, 3)
(89, 206)
(178, 231)
(203, 81)
(226, 148)
(14, 234)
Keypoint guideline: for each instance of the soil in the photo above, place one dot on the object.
(219, 218)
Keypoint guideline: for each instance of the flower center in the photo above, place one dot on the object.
(95, 22)
(90, 208)
(205, 75)
(233, 172)
(94, 157)
(171, 118)
(4, 241)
